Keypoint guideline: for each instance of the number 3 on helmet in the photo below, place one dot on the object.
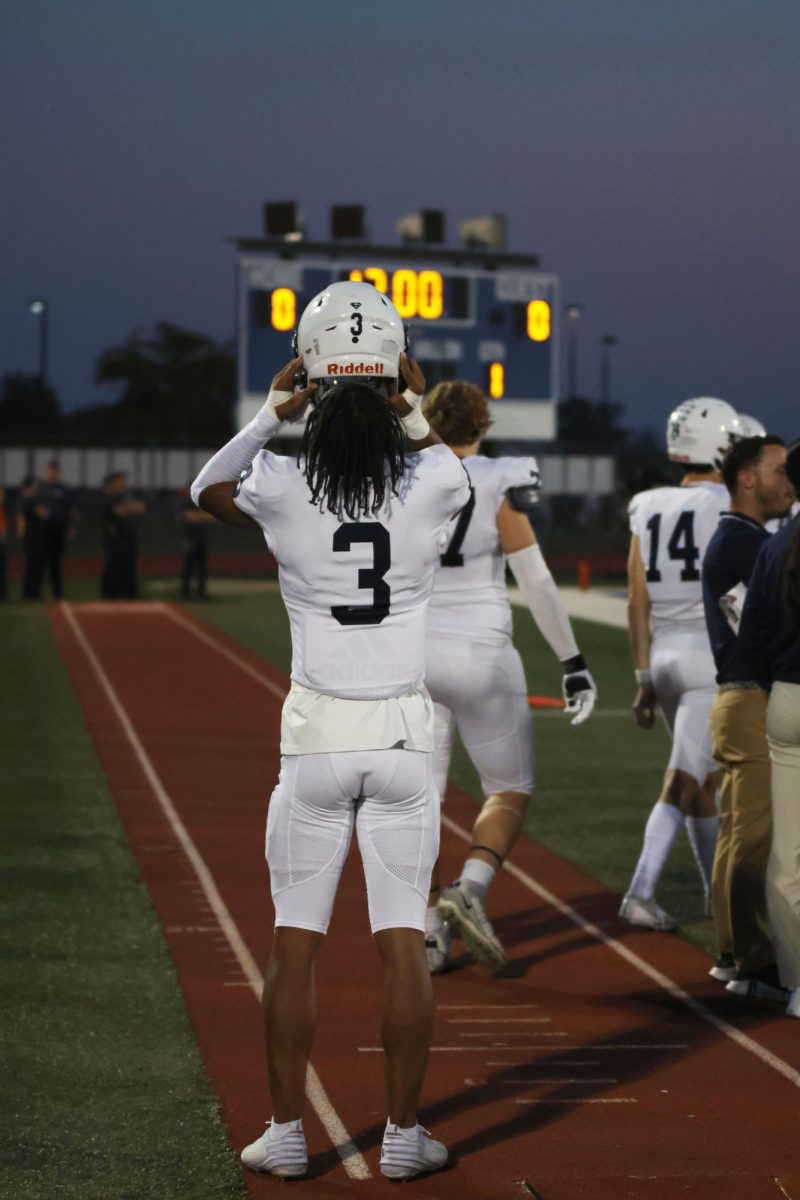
(350, 331)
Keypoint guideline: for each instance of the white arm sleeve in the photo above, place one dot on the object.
(236, 455)
(538, 589)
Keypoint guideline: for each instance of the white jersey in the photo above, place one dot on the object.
(674, 526)
(470, 598)
(355, 591)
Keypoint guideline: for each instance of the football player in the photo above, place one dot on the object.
(356, 523)
(472, 669)
(670, 531)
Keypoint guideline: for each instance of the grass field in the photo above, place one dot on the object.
(104, 1091)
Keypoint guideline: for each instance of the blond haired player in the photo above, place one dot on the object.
(472, 669)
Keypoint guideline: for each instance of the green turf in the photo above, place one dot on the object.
(595, 783)
(104, 1093)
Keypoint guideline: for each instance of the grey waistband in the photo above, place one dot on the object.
(740, 685)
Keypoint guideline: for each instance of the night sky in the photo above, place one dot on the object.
(647, 150)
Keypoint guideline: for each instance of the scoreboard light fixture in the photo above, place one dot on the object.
(347, 222)
(282, 219)
(485, 232)
(426, 226)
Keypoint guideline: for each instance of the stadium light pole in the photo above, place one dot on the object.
(573, 314)
(606, 342)
(40, 308)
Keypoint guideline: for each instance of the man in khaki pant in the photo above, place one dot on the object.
(754, 473)
(770, 650)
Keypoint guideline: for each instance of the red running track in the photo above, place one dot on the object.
(602, 1063)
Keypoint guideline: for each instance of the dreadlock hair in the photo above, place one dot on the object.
(791, 571)
(351, 436)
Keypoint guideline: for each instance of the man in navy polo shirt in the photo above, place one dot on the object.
(755, 475)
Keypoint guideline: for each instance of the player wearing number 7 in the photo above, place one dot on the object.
(670, 531)
(473, 671)
(356, 521)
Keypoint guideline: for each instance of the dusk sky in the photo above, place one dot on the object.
(647, 150)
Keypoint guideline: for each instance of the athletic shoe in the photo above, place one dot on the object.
(759, 985)
(408, 1153)
(285, 1156)
(793, 1007)
(437, 950)
(724, 969)
(647, 913)
(463, 910)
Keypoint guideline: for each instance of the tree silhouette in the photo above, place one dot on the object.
(173, 383)
(27, 405)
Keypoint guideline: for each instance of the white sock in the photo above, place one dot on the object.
(410, 1131)
(702, 833)
(663, 826)
(279, 1129)
(478, 874)
(433, 921)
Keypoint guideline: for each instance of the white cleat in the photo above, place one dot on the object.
(408, 1153)
(724, 969)
(463, 911)
(646, 913)
(286, 1156)
(793, 1007)
(437, 950)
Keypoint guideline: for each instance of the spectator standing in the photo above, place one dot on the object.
(769, 644)
(754, 473)
(3, 544)
(30, 530)
(120, 542)
(194, 524)
(56, 498)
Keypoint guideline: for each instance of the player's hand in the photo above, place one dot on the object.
(644, 706)
(412, 397)
(282, 399)
(580, 695)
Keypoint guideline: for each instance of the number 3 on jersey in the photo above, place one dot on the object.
(681, 546)
(348, 535)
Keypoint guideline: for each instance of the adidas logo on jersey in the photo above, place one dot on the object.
(354, 369)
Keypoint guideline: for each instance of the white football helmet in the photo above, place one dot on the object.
(350, 330)
(750, 426)
(701, 430)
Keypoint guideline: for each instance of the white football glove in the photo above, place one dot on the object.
(579, 690)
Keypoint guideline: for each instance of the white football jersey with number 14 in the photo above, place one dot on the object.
(470, 598)
(674, 526)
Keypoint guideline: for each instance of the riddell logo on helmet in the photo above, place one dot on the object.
(355, 369)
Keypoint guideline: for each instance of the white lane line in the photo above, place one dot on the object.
(231, 655)
(694, 1005)
(498, 1021)
(353, 1161)
(586, 1100)
(504, 1007)
(515, 1033)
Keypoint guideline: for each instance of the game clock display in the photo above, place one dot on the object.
(493, 322)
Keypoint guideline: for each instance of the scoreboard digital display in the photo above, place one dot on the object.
(486, 317)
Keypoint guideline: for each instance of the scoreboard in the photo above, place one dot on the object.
(490, 318)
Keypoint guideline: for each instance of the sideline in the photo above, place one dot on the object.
(352, 1160)
(640, 964)
(595, 604)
